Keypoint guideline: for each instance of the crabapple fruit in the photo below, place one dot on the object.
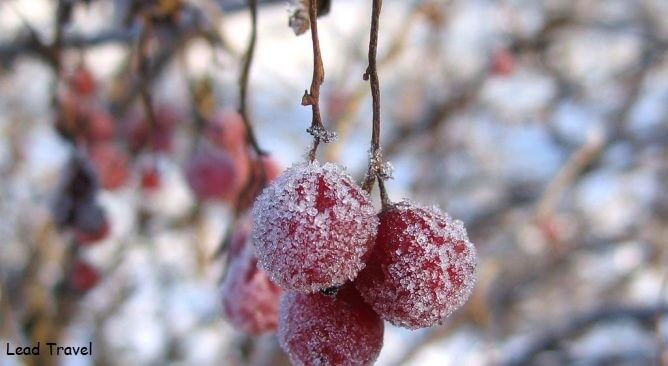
(111, 165)
(313, 227)
(82, 81)
(210, 174)
(83, 276)
(314, 329)
(502, 62)
(421, 269)
(250, 299)
(226, 129)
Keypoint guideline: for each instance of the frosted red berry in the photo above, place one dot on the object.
(82, 81)
(250, 299)
(149, 178)
(210, 174)
(83, 276)
(111, 165)
(315, 329)
(313, 227)
(142, 134)
(226, 129)
(97, 125)
(421, 269)
(502, 62)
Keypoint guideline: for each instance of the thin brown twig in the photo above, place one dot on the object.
(143, 70)
(371, 74)
(251, 140)
(243, 80)
(312, 97)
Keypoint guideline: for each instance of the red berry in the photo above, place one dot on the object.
(90, 223)
(83, 276)
(250, 299)
(141, 134)
(421, 269)
(82, 81)
(111, 165)
(502, 63)
(210, 174)
(98, 126)
(315, 329)
(313, 227)
(149, 177)
(227, 130)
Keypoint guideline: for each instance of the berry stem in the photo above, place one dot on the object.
(371, 74)
(243, 81)
(251, 140)
(143, 70)
(312, 97)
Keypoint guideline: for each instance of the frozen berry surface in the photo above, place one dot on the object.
(210, 173)
(250, 299)
(421, 269)
(83, 276)
(315, 329)
(313, 227)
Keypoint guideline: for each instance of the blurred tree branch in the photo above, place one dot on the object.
(551, 337)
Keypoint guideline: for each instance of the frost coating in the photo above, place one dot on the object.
(421, 269)
(313, 227)
(319, 330)
(250, 299)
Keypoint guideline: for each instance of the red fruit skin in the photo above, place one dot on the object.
(149, 178)
(141, 135)
(315, 329)
(98, 126)
(502, 63)
(82, 81)
(83, 277)
(211, 175)
(250, 299)
(421, 269)
(313, 228)
(226, 130)
(110, 164)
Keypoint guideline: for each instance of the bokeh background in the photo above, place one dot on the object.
(543, 125)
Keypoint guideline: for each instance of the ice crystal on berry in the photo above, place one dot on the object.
(422, 267)
(250, 299)
(315, 329)
(313, 227)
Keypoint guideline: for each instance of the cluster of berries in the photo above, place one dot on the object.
(343, 268)
(85, 120)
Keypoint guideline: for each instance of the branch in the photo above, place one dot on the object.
(553, 336)
(29, 45)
